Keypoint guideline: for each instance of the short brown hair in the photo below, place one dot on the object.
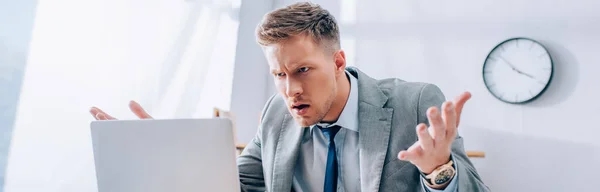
(302, 18)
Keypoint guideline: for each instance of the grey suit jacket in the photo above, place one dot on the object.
(389, 111)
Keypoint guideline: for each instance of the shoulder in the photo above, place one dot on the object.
(395, 89)
(275, 109)
(400, 92)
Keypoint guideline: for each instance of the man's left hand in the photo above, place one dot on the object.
(434, 145)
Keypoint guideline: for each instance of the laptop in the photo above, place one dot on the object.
(177, 155)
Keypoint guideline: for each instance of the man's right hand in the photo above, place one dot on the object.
(134, 106)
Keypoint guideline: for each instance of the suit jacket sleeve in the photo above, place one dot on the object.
(468, 178)
(250, 161)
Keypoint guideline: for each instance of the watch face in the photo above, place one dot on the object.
(518, 70)
(444, 176)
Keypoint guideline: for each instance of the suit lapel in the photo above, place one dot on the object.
(374, 135)
(286, 154)
(375, 123)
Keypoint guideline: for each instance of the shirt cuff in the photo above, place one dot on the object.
(451, 186)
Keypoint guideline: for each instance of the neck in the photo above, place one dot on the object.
(340, 100)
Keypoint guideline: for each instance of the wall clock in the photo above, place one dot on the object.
(518, 70)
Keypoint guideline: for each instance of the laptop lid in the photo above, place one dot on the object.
(165, 155)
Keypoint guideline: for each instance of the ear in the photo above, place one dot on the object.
(339, 58)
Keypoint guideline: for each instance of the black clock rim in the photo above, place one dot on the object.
(537, 95)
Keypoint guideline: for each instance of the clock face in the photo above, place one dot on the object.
(518, 70)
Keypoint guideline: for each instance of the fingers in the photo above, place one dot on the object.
(100, 115)
(450, 118)
(425, 139)
(459, 103)
(461, 99)
(137, 109)
(436, 122)
(94, 112)
(412, 153)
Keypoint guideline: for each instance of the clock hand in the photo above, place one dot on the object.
(526, 74)
(515, 69)
(509, 64)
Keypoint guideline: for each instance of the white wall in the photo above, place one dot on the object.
(251, 73)
(548, 145)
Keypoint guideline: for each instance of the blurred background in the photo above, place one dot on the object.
(183, 58)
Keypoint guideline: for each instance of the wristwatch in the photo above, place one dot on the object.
(440, 176)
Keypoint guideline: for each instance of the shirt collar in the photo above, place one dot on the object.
(349, 117)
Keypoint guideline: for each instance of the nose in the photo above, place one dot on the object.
(293, 88)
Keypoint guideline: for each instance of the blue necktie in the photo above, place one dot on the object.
(331, 171)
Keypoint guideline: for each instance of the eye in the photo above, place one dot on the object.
(279, 74)
(303, 69)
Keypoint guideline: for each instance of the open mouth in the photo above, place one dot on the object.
(300, 109)
(301, 106)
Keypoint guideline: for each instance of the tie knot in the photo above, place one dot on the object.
(330, 132)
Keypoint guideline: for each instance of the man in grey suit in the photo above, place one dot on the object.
(334, 128)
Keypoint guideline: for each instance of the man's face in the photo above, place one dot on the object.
(306, 76)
